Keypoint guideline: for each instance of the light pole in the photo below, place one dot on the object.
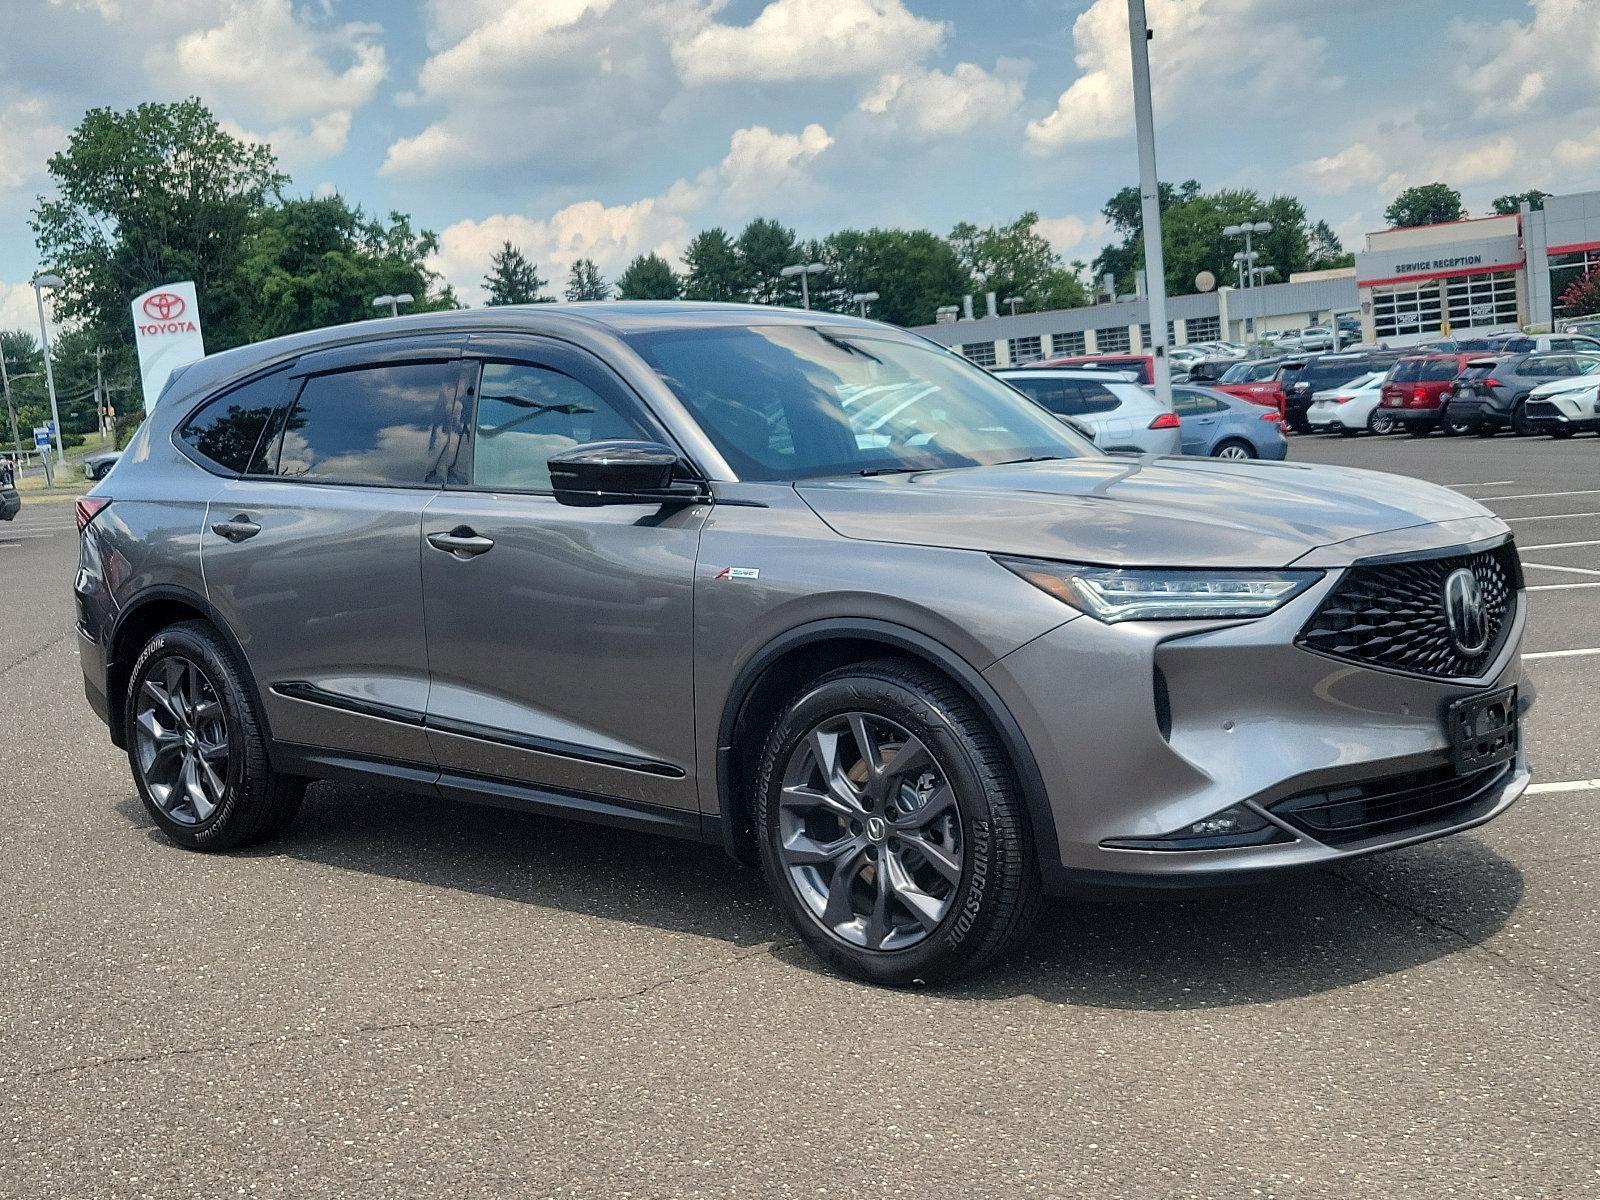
(1248, 230)
(862, 299)
(40, 283)
(805, 271)
(1013, 301)
(1155, 267)
(393, 303)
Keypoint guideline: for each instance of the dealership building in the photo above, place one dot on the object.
(1408, 285)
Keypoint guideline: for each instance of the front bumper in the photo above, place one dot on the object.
(1143, 728)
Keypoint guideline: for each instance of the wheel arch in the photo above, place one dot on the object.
(771, 675)
(152, 610)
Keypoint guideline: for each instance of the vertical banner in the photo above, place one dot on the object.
(166, 326)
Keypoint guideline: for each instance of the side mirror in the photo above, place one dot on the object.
(620, 472)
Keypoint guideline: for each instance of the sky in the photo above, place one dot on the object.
(611, 128)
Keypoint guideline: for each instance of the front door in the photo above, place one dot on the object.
(313, 558)
(558, 637)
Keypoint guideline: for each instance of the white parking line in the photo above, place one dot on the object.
(1559, 587)
(1572, 785)
(1548, 567)
(1559, 545)
(1551, 517)
(1542, 495)
(1584, 653)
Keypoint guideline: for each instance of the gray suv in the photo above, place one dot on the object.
(804, 586)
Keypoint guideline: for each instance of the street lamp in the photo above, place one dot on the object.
(393, 303)
(1247, 231)
(40, 283)
(805, 271)
(1013, 301)
(1144, 125)
(862, 299)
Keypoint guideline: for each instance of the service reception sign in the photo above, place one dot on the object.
(166, 326)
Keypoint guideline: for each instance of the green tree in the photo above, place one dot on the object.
(586, 283)
(148, 196)
(716, 271)
(765, 248)
(649, 277)
(1426, 204)
(512, 279)
(1512, 203)
(1015, 260)
(311, 263)
(1326, 250)
(913, 271)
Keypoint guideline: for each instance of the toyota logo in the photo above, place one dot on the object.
(1465, 612)
(163, 306)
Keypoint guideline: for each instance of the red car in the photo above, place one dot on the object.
(1417, 388)
(1142, 366)
(1255, 380)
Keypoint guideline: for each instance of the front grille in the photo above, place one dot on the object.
(1392, 615)
(1392, 806)
(1541, 410)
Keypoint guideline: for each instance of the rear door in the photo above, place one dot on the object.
(313, 557)
(1198, 412)
(559, 642)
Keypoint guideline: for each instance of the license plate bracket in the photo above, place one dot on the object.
(1483, 730)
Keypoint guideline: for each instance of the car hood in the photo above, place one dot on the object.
(1128, 511)
(1577, 383)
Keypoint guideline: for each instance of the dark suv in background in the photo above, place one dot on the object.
(804, 586)
(1492, 393)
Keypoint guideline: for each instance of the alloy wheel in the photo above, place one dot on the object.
(182, 742)
(1234, 451)
(869, 832)
(1382, 423)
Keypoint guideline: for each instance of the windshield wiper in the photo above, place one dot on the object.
(1011, 462)
(890, 470)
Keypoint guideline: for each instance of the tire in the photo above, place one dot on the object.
(1454, 427)
(1234, 449)
(949, 912)
(1520, 425)
(1380, 422)
(208, 702)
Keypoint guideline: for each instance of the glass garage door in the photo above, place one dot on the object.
(1483, 301)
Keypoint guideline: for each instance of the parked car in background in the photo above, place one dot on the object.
(1352, 407)
(1312, 338)
(1254, 380)
(1492, 393)
(1217, 425)
(1301, 379)
(1138, 366)
(1416, 389)
(1124, 416)
(10, 499)
(1589, 327)
(1564, 407)
(1209, 370)
(1543, 343)
(98, 466)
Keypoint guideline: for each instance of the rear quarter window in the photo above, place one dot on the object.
(226, 430)
(1437, 369)
(1407, 370)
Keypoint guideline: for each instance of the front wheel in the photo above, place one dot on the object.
(1520, 424)
(1234, 450)
(197, 745)
(893, 832)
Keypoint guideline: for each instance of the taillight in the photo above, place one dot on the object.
(1166, 421)
(1419, 395)
(1492, 382)
(1343, 399)
(87, 508)
(1273, 416)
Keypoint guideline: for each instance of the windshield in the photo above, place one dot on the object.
(785, 402)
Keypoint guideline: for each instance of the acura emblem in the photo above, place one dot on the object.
(1465, 612)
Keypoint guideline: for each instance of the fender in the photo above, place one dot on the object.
(730, 818)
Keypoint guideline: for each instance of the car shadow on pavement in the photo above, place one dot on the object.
(1304, 934)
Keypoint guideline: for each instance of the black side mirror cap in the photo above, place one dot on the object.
(621, 472)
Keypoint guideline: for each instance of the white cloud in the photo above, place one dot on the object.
(1074, 237)
(1357, 165)
(809, 39)
(1514, 68)
(1580, 151)
(27, 138)
(1196, 51)
(17, 309)
(760, 165)
(931, 104)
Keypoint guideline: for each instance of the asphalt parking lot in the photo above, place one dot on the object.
(413, 998)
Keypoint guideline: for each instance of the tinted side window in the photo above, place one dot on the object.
(1405, 371)
(1097, 398)
(377, 425)
(1193, 404)
(528, 413)
(226, 430)
(1439, 368)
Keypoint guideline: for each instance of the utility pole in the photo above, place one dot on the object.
(1155, 267)
(99, 391)
(11, 409)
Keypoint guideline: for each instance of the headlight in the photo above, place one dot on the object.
(1159, 594)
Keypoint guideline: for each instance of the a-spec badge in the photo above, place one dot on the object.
(739, 573)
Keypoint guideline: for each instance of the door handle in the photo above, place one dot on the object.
(462, 541)
(240, 529)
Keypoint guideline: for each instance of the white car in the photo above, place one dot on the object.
(1564, 407)
(1352, 408)
(1311, 338)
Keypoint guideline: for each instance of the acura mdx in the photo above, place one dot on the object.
(803, 586)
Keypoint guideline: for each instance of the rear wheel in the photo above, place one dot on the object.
(1234, 449)
(1380, 422)
(1456, 426)
(893, 832)
(197, 746)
